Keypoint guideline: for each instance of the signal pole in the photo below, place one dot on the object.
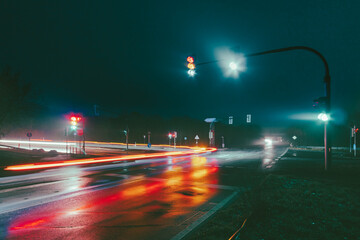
(355, 131)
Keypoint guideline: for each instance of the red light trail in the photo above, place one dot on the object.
(43, 165)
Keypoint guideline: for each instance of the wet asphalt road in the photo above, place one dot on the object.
(145, 199)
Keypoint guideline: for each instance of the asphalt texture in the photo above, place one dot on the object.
(144, 199)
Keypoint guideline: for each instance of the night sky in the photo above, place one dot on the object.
(130, 56)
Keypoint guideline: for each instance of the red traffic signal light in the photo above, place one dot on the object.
(356, 130)
(76, 120)
(190, 59)
(73, 120)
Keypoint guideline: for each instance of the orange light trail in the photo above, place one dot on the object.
(43, 165)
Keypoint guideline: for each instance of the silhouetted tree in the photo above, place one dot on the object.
(14, 104)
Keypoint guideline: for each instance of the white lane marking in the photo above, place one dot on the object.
(192, 216)
(187, 230)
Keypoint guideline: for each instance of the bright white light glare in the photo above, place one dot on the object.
(233, 66)
(36, 142)
(191, 72)
(231, 63)
(323, 117)
(268, 141)
(303, 116)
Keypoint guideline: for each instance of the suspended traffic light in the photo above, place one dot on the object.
(191, 64)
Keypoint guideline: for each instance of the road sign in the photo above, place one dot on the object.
(29, 134)
(197, 137)
(149, 145)
(210, 120)
(248, 118)
(211, 134)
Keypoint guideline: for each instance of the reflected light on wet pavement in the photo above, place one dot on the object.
(145, 201)
(268, 159)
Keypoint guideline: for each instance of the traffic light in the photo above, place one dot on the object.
(75, 121)
(191, 64)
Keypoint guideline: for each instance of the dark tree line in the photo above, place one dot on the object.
(14, 104)
(20, 112)
(18, 105)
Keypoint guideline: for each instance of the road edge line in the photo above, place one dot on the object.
(195, 224)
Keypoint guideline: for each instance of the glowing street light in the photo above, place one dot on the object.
(233, 66)
(229, 71)
(323, 117)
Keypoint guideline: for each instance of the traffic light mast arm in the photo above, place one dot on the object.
(327, 79)
(327, 72)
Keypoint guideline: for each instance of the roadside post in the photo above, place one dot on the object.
(149, 143)
(175, 136)
(29, 135)
(197, 139)
(355, 131)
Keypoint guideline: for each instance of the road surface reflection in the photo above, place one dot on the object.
(134, 208)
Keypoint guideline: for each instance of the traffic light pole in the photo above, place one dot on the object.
(127, 139)
(327, 80)
(355, 141)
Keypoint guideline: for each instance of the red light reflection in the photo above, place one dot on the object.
(161, 201)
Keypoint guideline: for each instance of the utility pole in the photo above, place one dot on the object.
(175, 136)
(351, 136)
(127, 137)
(355, 130)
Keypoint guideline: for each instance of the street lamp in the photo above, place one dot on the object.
(323, 117)
(327, 98)
(233, 66)
(327, 81)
